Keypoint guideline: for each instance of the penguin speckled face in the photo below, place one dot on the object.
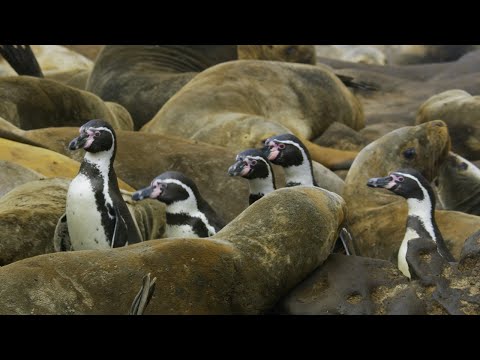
(285, 150)
(250, 164)
(95, 136)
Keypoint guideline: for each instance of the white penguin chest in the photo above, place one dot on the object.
(83, 218)
(402, 252)
(175, 231)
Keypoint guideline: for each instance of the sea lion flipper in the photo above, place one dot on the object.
(350, 82)
(22, 59)
(61, 237)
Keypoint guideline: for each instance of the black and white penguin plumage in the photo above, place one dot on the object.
(411, 185)
(188, 214)
(97, 217)
(252, 165)
(22, 59)
(289, 152)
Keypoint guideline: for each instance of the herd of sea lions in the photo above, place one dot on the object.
(239, 179)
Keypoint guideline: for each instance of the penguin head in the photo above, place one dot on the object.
(95, 136)
(285, 150)
(408, 183)
(169, 187)
(251, 164)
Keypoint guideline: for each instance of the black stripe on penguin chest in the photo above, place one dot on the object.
(104, 209)
(197, 225)
(414, 223)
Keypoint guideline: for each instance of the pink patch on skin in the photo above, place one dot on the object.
(273, 155)
(245, 170)
(90, 139)
(392, 183)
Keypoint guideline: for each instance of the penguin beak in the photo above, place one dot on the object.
(236, 169)
(385, 182)
(78, 142)
(142, 194)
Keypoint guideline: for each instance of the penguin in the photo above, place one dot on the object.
(252, 165)
(96, 215)
(412, 186)
(188, 214)
(289, 152)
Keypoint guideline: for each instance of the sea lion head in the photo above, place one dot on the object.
(422, 147)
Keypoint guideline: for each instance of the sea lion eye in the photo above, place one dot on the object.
(281, 146)
(410, 153)
(96, 134)
(290, 50)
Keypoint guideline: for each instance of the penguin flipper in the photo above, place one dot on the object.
(120, 233)
(61, 237)
(22, 59)
(143, 297)
(349, 81)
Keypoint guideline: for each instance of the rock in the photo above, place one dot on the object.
(243, 269)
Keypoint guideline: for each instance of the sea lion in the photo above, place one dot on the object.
(461, 112)
(243, 269)
(303, 54)
(143, 77)
(32, 103)
(458, 185)
(377, 220)
(240, 103)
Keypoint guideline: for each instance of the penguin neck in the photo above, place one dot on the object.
(103, 161)
(261, 186)
(422, 211)
(299, 174)
(187, 206)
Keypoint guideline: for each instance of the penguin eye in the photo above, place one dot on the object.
(410, 153)
(253, 162)
(97, 134)
(400, 179)
(281, 146)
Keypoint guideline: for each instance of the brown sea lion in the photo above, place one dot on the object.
(239, 104)
(303, 54)
(244, 269)
(32, 103)
(377, 220)
(143, 77)
(461, 112)
(458, 185)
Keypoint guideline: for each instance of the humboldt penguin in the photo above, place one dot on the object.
(252, 165)
(412, 186)
(96, 215)
(188, 214)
